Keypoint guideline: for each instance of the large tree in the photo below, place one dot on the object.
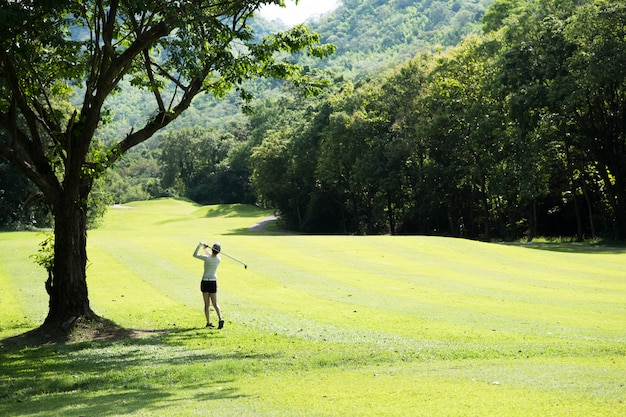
(50, 49)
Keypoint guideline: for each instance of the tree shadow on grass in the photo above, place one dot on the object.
(140, 371)
(234, 210)
(571, 248)
(248, 232)
(97, 329)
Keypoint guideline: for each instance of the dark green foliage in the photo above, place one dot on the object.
(516, 133)
(21, 204)
(205, 166)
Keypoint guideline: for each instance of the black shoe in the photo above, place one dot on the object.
(221, 324)
(211, 325)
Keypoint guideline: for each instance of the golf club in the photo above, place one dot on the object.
(236, 260)
(226, 255)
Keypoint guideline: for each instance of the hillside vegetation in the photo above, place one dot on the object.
(318, 325)
(370, 35)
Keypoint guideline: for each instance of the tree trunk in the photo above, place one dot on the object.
(620, 205)
(589, 211)
(67, 283)
(485, 206)
(532, 221)
(392, 223)
(579, 220)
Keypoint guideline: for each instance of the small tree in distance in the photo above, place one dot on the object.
(174, 49)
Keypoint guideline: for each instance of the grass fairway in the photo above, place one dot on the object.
(319, 325)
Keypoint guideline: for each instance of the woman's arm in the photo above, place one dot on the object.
(195, 253)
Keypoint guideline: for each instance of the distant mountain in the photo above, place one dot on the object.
(371, 35)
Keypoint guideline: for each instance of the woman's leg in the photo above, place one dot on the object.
(207, 304)
(213, 297)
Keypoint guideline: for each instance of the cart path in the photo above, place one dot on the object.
(261, 226)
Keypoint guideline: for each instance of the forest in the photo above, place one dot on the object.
(491, 120)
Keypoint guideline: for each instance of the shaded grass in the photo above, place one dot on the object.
(319, 325)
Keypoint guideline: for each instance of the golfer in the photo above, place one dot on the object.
(208, 285)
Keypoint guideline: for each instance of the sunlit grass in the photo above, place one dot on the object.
(320, 325)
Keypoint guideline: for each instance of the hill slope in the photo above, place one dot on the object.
(370, 35)
(374, 34)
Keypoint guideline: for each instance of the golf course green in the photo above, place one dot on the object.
(318, 325)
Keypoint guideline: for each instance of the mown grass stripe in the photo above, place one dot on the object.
(460, 293)
(127, 297)
(14, 311)
(23, 298)
(437, 270)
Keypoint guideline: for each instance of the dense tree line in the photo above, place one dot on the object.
(518, 132)
(205, 166)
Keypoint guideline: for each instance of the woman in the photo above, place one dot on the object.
(208, 285)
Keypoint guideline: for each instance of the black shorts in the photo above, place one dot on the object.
(208, 286)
